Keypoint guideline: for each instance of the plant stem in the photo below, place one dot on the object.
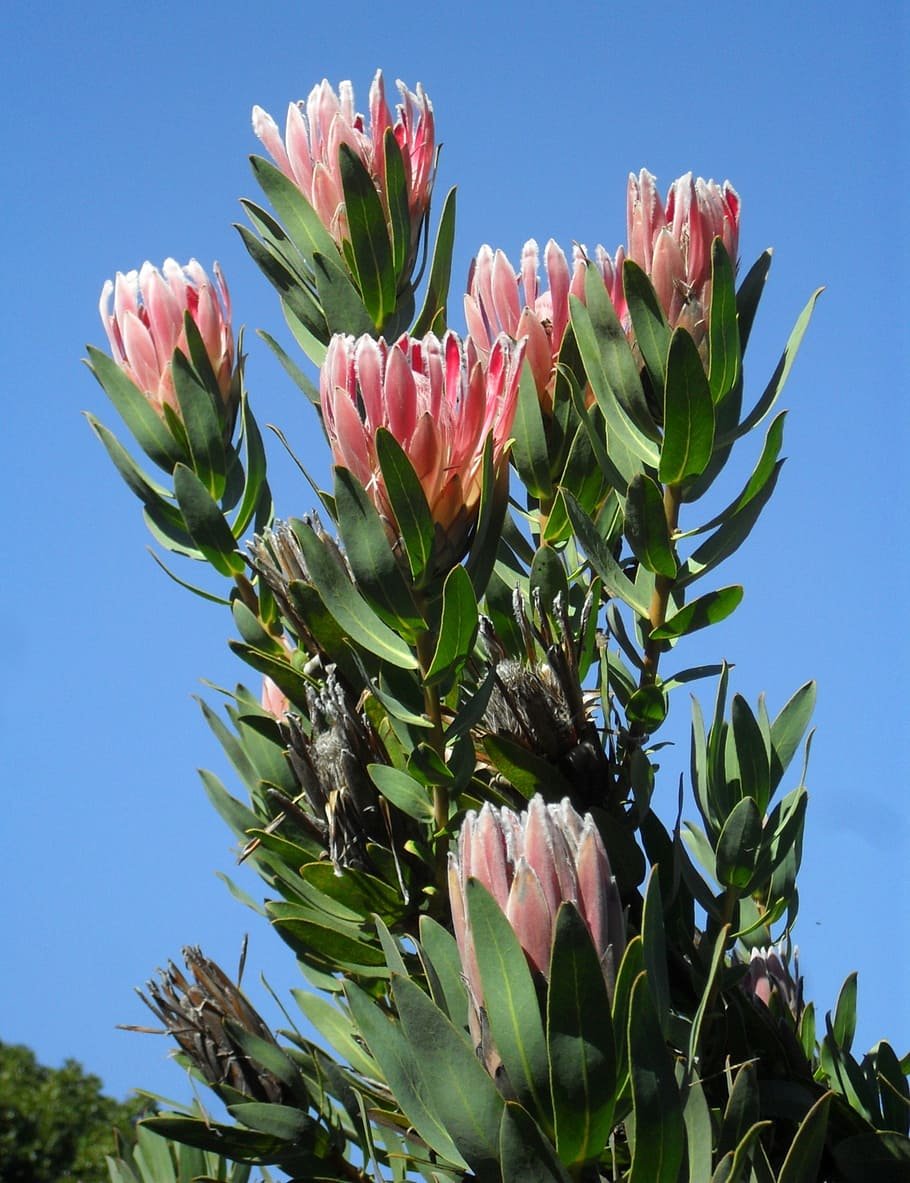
(663, 585)
(433, 711)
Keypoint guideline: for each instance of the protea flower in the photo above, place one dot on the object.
(315, 131)
(499, 301)
(146, 326)
(672, 242)
(770, 981)
(530, 863)
(439, 403)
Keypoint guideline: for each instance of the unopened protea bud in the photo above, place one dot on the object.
(530, 863)
(770, 981)
(204, 1016)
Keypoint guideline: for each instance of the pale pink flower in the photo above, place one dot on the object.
(499, 301)
(439, 403)
(530, 863)
(146, 325)
(770, 980)
(315, 130)
(672, 241)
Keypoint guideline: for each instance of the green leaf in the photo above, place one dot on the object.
(738, 845)
(148, 491)
(439, 949)
(654, 950)
(548, 577)
(355, 889)
(526, 1155)
(717, 961)
(458, 625)
(699, 1133)
(432, 316)
(403, 791)
(805, 1154)
(749, 294)
(492, 508)
(206, 523)
(529, 448)
(788, 729)
(396, 187)
(239, 1144)
(688, 414)
(752, 755)
(510, 1000)
(202, 421)
(335, 1026)
(303, 225)
(403, 1072)
(375, 567)
(136, 411)
(341, 304)
(281, 1121)
(652, 334)
(645, 526)
(781, 373)
(456, 1087)
(742, 1109)
(614, 579)
(290, 367)
(844, 1025)
(346, 605)
(579, 1042)
(708, 609)
(723, 328)
(372, 251)
(882, 1157)
(524, 769)
(658, 1147)
(408, 502)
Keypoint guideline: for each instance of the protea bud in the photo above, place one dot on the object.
(315, 131)
(439, 403)
(672, 242)
(530, 863)
(146, 326)
(770, 981)
(208, 1018)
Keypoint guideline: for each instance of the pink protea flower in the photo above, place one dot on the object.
(439, 403)
(499, 301)
(530, 863)
(146, 325)
(672, 241)
(770, 980)
(315, 131)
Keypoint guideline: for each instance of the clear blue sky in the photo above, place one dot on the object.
(127, 131)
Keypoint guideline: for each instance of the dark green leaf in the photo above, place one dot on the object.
(844, 1025)
(688, 414)
(432, 316)
(510, 1000)
(645, 526)
(647, 707)
(614, 579)
(281, 1121)
(654, 950)
(524, 769)
(291, 368)
(302, 223)
(342, 306)
(526, 1155)
(494, 503)
(737, 847)
(438, 947)
(206, 524)
(147, 490)
(579, 1042)
(349, 608)
(649, 324)
(659, 1142)
(707, 993)
(699, 1133)
(548, 577)
(355, 889)
(458, 625)
(752, 755)
(723, 329)
(242, 1145)
(742, 1110)
(256, 499)
(369, 233)
(397, 187)
(529, 449)
(136, 411)
(788, 729)
(408, 501)
(805, 1154)
(707, 609)
(403, 791)
(203, 423)
(749, 294)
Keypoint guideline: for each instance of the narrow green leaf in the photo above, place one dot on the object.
(723, 328)
(788, 729)
(525, 1154)
(438, 947)
(290, 367)
(233, 1141)
(524, 769)
(375, 567)
(349, 608)
(302, 223)
(408, 501)
(805, 1154)
(256, 500)
(146, 489)
(432, 316)
(510, 1000)
(654, 950)
(614, 579)
(659, 1128)
(457, 1088)
(649, 324)
(404, 792)
(579, 1042)
(699, 1133)
(494, 503)
(206, 523)
(203, 424)
(136, 411)
(376, 275)
(714, 968)
(844, 1025)
(752, 755)
(708, 609)
(457, 627)
(742, 1109)
(737, 847)
(548, 578)
(688, 414)
(529, 448)
(344, 310)
(749, 294)
(645, 526)
(396, 187)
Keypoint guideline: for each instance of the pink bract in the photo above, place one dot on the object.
(146, 325)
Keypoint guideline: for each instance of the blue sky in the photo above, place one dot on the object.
(127, 131)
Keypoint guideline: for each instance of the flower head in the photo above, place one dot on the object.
(530, 863)
(770, 981)
(671, 242)
(438, 402)
(315, 130)
(146, 325)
